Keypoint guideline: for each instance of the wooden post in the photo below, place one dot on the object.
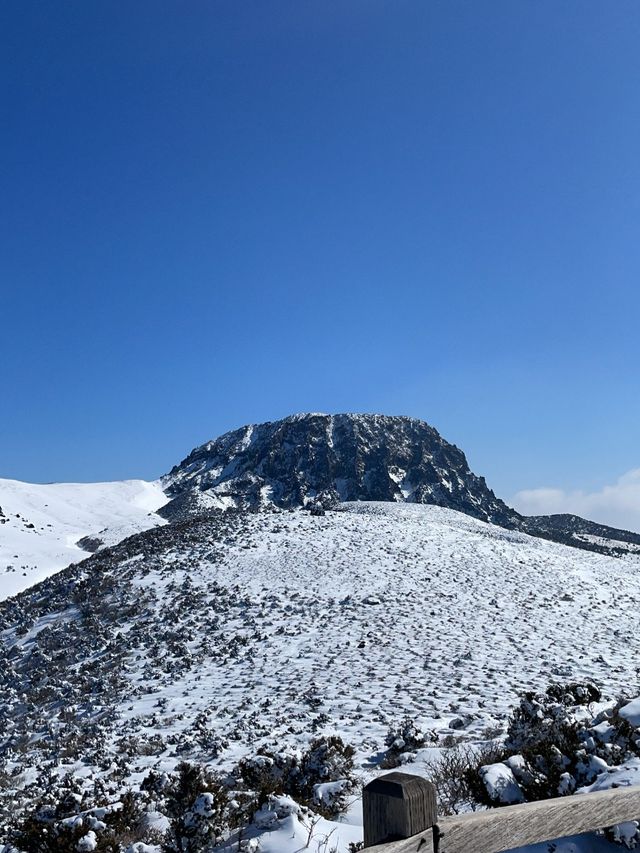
(488, 831)
(396, 806)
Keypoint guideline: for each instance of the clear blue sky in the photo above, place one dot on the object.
(221, 212)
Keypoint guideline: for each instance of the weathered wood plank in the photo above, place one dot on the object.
(397, 805)
(501, 829)
(515, 826)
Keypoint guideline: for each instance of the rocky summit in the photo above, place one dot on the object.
(331, 459)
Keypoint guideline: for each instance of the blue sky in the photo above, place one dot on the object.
(220, 212)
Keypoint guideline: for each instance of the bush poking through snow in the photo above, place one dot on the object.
(546, 720)
(554, 746)
(451, 773)
(402, 740)
(543, 746)
(268, 773)
(72, 824)
(319, 778)
(196, 803)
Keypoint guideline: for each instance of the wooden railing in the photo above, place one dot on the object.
(401, 816)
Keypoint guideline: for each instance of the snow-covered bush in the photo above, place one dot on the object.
(320, 777)
(450, 772)
(76, 823)
(543, 749)
(555, 746)
(549, 718)
(196, 803)
(330, 798)
(327, 775)
(402, 740)
(268, 772)
(315, 508)
(326, 760)
(274, 809)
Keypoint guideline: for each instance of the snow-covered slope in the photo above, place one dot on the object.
(40, 525)
(206, 639)
(381, 610)
(326, 459)
(247, 623)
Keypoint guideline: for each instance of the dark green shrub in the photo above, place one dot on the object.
(196, 803)
(326, 760)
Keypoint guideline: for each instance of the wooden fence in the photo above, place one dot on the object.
(400, 816)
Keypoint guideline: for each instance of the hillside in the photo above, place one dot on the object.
(42, 526)
(211, 637)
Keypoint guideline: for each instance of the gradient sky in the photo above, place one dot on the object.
(216, 213)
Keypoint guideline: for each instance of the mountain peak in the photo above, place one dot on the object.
(332, 459)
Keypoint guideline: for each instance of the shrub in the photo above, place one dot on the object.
(327, 775)
(404, 738)
(196, 803)
(304, 776)
(268, 772)
(544, 738)
(550, 749)
(62, 825)
(455, 771)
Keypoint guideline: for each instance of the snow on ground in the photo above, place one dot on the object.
(41, 524)
(631, 713)
(272, 629)
(359, 618)
(389, 610)
(282, 827)
(294, 835)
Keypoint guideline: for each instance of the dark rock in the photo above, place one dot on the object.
(328, 459)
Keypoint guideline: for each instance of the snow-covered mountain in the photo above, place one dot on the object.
(302, 459)
(314, 577)
(43, 528)
(335, 458)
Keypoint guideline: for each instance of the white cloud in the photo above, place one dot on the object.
(617, 505)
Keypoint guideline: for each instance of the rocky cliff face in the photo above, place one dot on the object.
(331, 459)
